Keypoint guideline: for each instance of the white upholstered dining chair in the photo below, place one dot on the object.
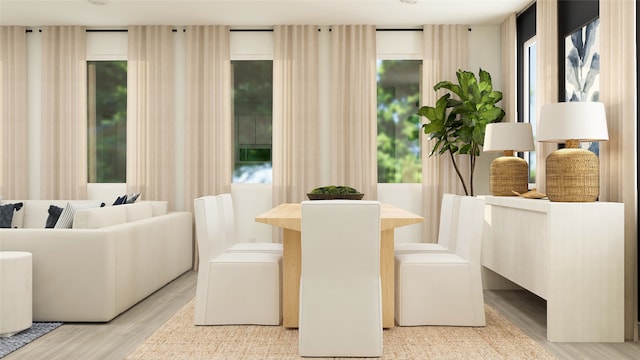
(444, 288)
(340, 290)
(232, 288)
(233, 245)
(446, 230)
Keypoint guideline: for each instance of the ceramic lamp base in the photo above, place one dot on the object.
(508, 174)
(573, 175)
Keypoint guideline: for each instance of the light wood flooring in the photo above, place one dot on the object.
(116, 339)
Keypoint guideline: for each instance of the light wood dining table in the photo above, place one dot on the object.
(287, 216)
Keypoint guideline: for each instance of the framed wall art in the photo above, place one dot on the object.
(582, 67)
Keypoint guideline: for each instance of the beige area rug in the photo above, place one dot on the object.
(179, 339)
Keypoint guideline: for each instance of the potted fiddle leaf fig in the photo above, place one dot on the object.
(458, 123)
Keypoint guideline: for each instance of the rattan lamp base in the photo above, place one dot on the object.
(508, 174)
(573, 175)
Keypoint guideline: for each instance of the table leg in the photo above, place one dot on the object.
(291, 269)
(387, 278)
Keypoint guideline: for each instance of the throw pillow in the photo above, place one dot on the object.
(7, 213)
(65, 221)
(120, 200)
(133, 198)
(54, 215)
(18, 216)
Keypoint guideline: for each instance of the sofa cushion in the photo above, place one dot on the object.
(66, 218)
(159, 207)
(96, 218)
(36, 212)
(138, 211)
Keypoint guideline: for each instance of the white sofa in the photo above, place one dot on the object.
(109, 260)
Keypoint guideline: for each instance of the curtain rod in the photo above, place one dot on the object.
(399, 29)
(174, 30)
(236, 30)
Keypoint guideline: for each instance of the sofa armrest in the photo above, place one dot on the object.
(74, 277)
(92, 275)
(156, 251)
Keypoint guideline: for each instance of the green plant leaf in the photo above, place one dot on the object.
(492, 115)
(465, 149)
(459, 123)
(484, 76)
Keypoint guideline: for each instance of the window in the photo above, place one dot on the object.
(530, 101)
(398, 95)
(526, 39)
(107, 121)
(252, 109)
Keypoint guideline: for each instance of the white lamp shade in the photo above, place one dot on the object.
(508, 136)
(583, 121)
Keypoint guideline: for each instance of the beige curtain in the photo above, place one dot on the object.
(13, 112)
(509, 72)
(64, 113)
(547, 68)
(619, 155)
(445, 51)
(150, 113)
(208, 123)
(295, 159)
(353, 119)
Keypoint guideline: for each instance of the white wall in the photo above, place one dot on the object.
(252, 199)
(485, 52)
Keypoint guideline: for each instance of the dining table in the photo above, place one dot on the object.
(288, 217)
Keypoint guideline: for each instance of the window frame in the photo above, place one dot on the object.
(526, 35)
(249, 45)
(528, 107)
(237, 135)
(402, 44)
(104, 45)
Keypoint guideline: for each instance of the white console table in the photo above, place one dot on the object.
(570, 254)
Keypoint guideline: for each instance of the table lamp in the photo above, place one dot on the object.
(508, 173)
(573, 173)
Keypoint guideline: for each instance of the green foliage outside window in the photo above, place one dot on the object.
(398, 125)
(107, 121)
(252, 110)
